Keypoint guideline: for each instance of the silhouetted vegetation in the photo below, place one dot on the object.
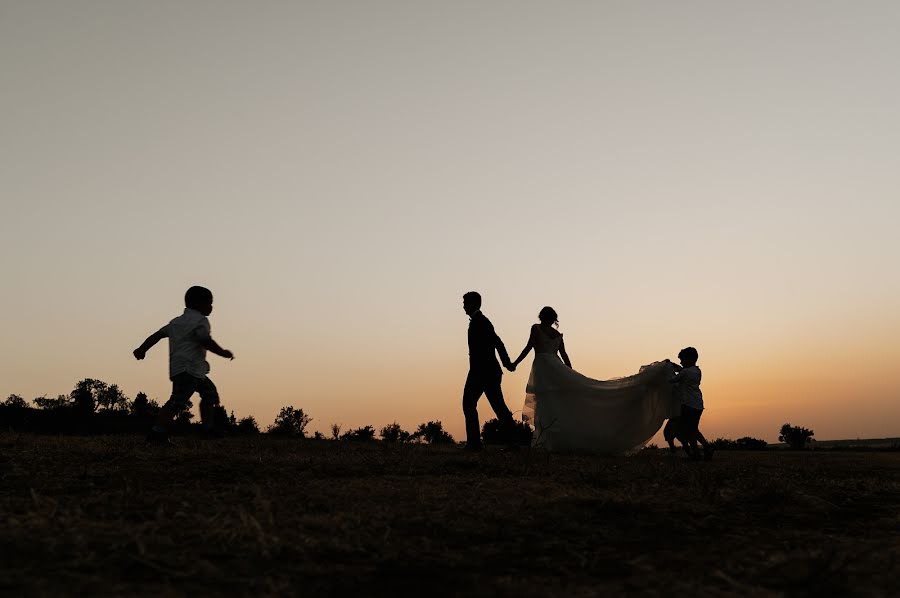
(432, 433)
(795, 437)
(745, 443)
(247, 426)
(15, 402)
(394, 433)
(493, 433)
(96, 407)
(364, 433)
(290, 422)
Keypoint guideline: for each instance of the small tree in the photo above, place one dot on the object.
(48, 404)
(335, 431)
(290, 422)
(247, 425)
(143, 408)
(111, 398)
(15, 401)
(364, 433)
(88, 393)
(433, 433)
(795, 437)
(394, 433)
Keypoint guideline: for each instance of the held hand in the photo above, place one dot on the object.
(139, 353)
(227, 354)
(511, 367)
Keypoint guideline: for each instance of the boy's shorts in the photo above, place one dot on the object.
(184, 386)
(690, 418)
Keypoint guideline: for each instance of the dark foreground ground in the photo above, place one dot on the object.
(109, 516)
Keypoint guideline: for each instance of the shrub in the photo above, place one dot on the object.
(48, 404)
(144, 408)
(15, 401)
(795, 437)
(247, 425)
(335, 431)
(745, 443)
(432, 433)
(364, 433)
(290, 422)
(493, 433)
(394, 433)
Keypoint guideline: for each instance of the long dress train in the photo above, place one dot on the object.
(571, 412)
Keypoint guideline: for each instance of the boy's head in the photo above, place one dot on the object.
(199, 298)
(471, 302)
(688, 356)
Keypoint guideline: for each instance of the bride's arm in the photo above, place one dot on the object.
(527, 348)
(563, 354)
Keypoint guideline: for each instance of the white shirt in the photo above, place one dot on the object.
(186, 353)
(688, 381)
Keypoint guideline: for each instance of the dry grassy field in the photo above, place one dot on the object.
(110, 516)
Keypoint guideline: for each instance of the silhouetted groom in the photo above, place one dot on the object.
(484, 371)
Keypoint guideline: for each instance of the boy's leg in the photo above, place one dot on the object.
(209, 400)
(708, 449)
(669, 433)
(693, 431)
(183, 387)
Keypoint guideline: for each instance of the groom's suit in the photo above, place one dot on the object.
(484, 376)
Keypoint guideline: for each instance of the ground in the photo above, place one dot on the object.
(110, 516)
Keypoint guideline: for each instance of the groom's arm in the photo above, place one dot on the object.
(501, 350)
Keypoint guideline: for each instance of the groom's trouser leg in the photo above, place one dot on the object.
(471, 393)
(494, 394)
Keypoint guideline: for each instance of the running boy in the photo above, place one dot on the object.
(189, 339)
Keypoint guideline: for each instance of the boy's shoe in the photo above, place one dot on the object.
(708, 451)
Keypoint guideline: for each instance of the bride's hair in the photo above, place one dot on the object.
(548, 314)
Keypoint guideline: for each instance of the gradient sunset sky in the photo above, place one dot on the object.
(716, 174)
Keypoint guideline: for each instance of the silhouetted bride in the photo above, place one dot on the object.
(570, 411)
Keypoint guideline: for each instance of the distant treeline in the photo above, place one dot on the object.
(96, 407)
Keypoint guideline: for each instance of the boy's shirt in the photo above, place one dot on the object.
(185, 333)
(688, 387)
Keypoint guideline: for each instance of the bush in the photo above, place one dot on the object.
(493, 433)
(394, 433)
(795, 437)
(364, 433)
(432, 433)
(745, 443)
(15, 402)
(144, 408)
(247, 425)
(290, 422)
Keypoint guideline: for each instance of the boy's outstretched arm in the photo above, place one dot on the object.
(213, 346)
(154, 338)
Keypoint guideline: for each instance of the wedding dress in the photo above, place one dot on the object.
(571, 412)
